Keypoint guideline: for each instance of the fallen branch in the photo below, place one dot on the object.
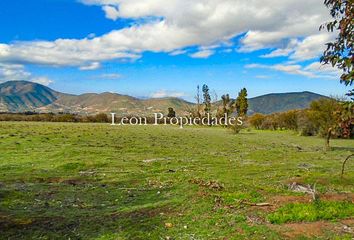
(345, 161)
(257, 204)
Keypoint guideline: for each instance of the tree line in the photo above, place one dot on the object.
(328, 118)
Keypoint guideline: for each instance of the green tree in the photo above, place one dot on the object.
(325, 116)
(207, 99)
(241, 103)
(226, 104)
(340, 52)
(171, 113)
(101, 118)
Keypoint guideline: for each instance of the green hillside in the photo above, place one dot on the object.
(18, 96)
(279, 102)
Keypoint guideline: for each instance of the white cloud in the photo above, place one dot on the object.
(311, 47)
(12, 72)
(278, 53)
(91, 66)
(313, 70)
(165, 27)
(202, 54)
(291, 69)
(328, 70)
(42, 80)
(111, 12)
(283, 52)
(177, 52)
(164, 93)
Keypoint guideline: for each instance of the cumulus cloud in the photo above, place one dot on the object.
(12, 72)
(164, 93)
(311, 47)
(327, 69)
(162, 27)
(308, 48)
(314, 70)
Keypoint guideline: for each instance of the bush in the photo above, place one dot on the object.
(256, 120)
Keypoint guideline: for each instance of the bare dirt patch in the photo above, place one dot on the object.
(314, 229)
(293, 230)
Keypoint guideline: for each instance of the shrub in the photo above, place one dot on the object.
(256, 120)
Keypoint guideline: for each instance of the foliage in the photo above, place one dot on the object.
(226, 104)
(325, 117)
(306, 126)
(288, 120)
(99, 118)
(340, 53)
(51, 117)
(241, 103)
(257, 120)
(206, 99)
(171, 113)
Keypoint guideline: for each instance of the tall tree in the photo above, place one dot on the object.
(241, 103)
(198, 99)
(225, 103)
(207, 99)
(340, 52)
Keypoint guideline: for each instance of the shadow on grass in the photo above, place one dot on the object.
(80, 209)
(350, 149)
(83, 225)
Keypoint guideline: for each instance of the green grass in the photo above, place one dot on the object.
(297, 212)
(96, 181)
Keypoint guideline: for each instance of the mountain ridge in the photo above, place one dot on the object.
(22, 96)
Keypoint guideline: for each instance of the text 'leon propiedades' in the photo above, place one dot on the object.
(160, 119)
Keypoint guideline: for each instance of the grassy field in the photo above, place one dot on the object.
(96, 181)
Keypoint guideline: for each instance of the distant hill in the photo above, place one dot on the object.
(280, 102)
(19, 96)
(22, 96)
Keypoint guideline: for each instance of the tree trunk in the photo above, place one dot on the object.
(345, 161)
(329, 134)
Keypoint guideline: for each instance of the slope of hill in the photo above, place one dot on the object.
(21, 96)
(279, 102)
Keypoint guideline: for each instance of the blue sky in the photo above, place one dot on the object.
(161, 48)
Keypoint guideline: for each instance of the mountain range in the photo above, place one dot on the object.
(22, 96)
